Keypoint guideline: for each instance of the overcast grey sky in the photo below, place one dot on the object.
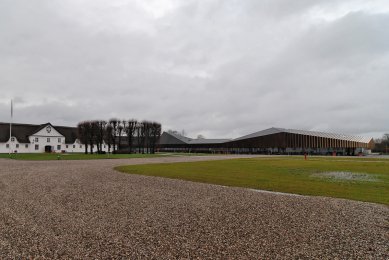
(220, 68)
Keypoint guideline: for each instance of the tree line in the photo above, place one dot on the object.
(382, 145)
(121, 136)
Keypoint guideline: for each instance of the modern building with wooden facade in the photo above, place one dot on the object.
(273, 140)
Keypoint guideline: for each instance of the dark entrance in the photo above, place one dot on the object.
(48, 149)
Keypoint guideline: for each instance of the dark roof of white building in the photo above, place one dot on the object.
(23, 131)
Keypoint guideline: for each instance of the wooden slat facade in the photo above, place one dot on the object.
(280, 141)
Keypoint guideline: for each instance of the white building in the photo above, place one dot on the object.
(27, 138)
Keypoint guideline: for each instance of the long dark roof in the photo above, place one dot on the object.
(173, 138)
(23, 131)
(275, 130)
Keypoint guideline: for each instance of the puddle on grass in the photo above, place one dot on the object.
(345, 176)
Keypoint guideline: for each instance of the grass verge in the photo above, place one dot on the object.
(282, 174)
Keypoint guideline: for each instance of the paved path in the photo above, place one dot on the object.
(84, 209)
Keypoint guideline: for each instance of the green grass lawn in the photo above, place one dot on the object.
(284, 174)
(74, 156)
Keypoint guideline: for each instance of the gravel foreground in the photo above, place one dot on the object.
(86, 210)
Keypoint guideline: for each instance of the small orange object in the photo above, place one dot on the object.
(305, 156)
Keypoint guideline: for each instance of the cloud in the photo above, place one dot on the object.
(217, 68)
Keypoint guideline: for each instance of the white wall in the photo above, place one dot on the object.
(76, 147)
(14, 146)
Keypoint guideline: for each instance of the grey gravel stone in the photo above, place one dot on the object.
(86, 210)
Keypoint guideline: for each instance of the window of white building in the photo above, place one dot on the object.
(58, 147)
(36, 139)
(7, 146)
(74, 146)
(12, 139)
(59, 140)
(17, 145)
(37, 147)
(67, 146)
(26, 145)
(48, 140)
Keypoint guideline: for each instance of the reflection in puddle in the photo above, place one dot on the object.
(348, 176)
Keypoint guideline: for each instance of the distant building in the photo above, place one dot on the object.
(273, 141)
(27, 138)
(172, 141)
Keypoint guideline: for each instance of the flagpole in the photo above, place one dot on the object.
(10, 128)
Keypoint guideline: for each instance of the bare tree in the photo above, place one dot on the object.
(146, 135)
(100, 134)
(114, 124)
(155, 134)
(120, 129)
(385, 142)
(139, 135)
(108, 136)
(93, 126)
(83, 132)
(129, 129)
